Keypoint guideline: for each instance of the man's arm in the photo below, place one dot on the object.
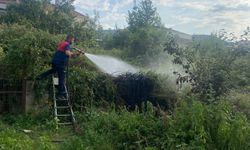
(68, 52)
(71, 54)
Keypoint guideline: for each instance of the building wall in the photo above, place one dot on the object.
(8, 1)
(4, 3)
(79, 17)
(2, 6)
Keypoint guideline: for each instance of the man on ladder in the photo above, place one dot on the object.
(59, 62)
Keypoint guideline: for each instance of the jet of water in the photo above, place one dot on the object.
(111, 65)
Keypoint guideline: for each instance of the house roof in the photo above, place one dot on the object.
(8, 1)
(3, 4)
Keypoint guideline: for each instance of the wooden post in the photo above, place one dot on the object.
(29, 102)
(23, 100)
(27, 96)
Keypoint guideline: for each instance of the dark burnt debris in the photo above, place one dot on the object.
(136, 89)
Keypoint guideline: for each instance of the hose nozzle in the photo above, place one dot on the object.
(79, 50)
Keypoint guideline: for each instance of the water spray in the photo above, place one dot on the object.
(109, 65)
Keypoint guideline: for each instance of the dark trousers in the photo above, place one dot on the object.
(60, 71)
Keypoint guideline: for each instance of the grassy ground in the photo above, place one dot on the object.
(191, 125)
(28, 132)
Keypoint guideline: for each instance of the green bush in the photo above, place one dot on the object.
(116, 130)
(27, 51)
(240, 99)
(198, 126)
(88, 88)
(192, 125)
(185, 129)
(212, 67)
(241, 71)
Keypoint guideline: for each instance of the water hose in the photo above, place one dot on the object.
(79, 50)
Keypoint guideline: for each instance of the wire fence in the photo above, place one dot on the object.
(11, 96)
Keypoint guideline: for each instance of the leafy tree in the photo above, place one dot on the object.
(212, 65)
(26, 50)
(28, 11)
(85, 33)
(121, 38)
(65, 6)
(207, 64)
(143, 15)
(144, 37)
(146, 44)
(56, 19)
(40, 14)
(240, 54)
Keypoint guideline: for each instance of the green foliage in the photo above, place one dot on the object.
(10, 139)
(39, 118)
(192, 125)
(114, 130)
(228, 130)
(146, 44)
(141, 46)
(241, 70)
(55, 19)
(13, 136)
(85, 33)
(198, 126)
(240, 99)
(142, 42)
(65, 6)
(90, 88)
(186, 129)
(27, 51)
(119, 39)
(212, 68)
(164, 94)
(143, 16)
(40, 14)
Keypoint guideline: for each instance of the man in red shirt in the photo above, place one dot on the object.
(59, 62)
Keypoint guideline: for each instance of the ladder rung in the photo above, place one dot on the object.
(62, 107)
(61, 99)
(65, 123)
(63, 115)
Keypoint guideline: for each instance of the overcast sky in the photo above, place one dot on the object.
(189, 16)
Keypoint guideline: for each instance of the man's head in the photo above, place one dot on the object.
(70, 38)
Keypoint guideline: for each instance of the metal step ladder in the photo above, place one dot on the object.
(63, 111)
